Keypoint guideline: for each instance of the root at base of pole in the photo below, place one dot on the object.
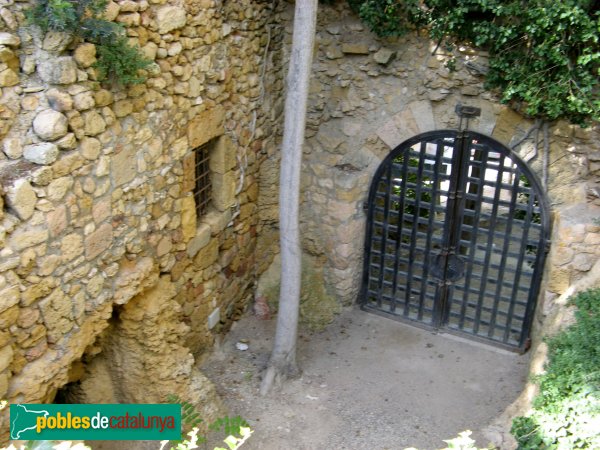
(276, 374)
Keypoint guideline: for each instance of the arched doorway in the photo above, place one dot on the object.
(457, 233)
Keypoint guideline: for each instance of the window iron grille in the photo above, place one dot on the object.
(202, 182)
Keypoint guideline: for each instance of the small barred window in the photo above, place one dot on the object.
(202, 185)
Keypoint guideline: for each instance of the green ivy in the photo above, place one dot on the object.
(566, 412)
(388, 17)
(116, 59)
(544, 54)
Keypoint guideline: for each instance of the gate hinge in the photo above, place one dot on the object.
(365, 206)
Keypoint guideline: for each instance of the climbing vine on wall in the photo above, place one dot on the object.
(544, 54)
(389, 17)
(116, 59)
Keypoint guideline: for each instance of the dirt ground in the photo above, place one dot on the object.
(368, 383)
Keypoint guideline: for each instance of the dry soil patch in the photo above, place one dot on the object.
(368, 383)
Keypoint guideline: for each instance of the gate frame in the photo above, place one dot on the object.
(545, 235)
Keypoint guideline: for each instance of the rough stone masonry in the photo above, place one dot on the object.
(107, 269)
(107, 272)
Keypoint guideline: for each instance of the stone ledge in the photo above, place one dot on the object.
(203, 234)
(217, 220)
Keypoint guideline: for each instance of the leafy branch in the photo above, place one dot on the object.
(544, 58)
(236, 429)
(116, 59)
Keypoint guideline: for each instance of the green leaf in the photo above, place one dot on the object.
(231, 442)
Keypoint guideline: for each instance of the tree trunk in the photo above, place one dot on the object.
(283, 359)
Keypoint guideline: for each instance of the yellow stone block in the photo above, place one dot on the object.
(559, 280)
(223, 155)
(206, 126)
(188, 217)
(223, 190)
(507, 124)
(207, 256)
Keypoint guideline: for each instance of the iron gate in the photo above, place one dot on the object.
(457, 233)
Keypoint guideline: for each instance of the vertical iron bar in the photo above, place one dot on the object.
(519, 268)
(483, 159)
(386, 209)
(505, 248)
(415, 226)
(490, 244)
(435, 193)
(449, 229)
(456, 210)
(402, 196)
(538, 268)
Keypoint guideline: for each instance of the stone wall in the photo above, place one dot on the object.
(97, 213)
(100, 245)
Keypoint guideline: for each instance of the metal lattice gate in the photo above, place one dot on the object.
(457, 233)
